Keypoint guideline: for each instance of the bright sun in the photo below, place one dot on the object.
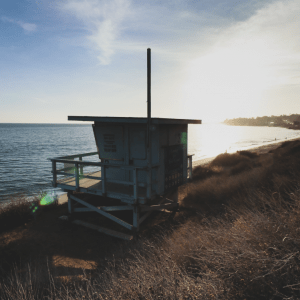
(229, 82)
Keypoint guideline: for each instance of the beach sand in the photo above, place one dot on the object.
(63, 198)
(258, 149)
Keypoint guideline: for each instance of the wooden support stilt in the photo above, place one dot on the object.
(136, 218)
(70, 204)
(174, 195)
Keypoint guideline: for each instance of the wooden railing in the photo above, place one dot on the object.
(78, 174)
(79, 164)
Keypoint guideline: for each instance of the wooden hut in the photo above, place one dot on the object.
(141, 160)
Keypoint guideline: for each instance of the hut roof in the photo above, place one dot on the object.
(134, 120)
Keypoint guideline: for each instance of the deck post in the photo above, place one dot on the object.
(76, 177)
(81, 166)
(103, 178)
(54, 184)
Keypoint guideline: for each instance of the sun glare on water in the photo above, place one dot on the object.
(228, 139)
(222, 144)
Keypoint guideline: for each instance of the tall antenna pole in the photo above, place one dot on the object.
(149, 93)
(149, 179)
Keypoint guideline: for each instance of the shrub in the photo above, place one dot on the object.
(229, 160)
(202, 172)
(248, 154)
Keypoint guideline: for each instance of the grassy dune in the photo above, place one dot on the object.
(236, 236)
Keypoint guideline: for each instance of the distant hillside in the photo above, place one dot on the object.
(279, 121)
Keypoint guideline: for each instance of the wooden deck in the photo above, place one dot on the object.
(83, 182)
(94, 184)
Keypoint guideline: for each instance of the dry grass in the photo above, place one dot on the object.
(240, 240)
(14, 214)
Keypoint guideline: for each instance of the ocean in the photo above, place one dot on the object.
(25, 149)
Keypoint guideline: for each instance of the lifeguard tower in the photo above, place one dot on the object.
(141, 160)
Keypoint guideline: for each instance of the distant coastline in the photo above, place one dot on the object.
(286, 121)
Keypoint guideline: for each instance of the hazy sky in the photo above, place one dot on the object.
(211, 59)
